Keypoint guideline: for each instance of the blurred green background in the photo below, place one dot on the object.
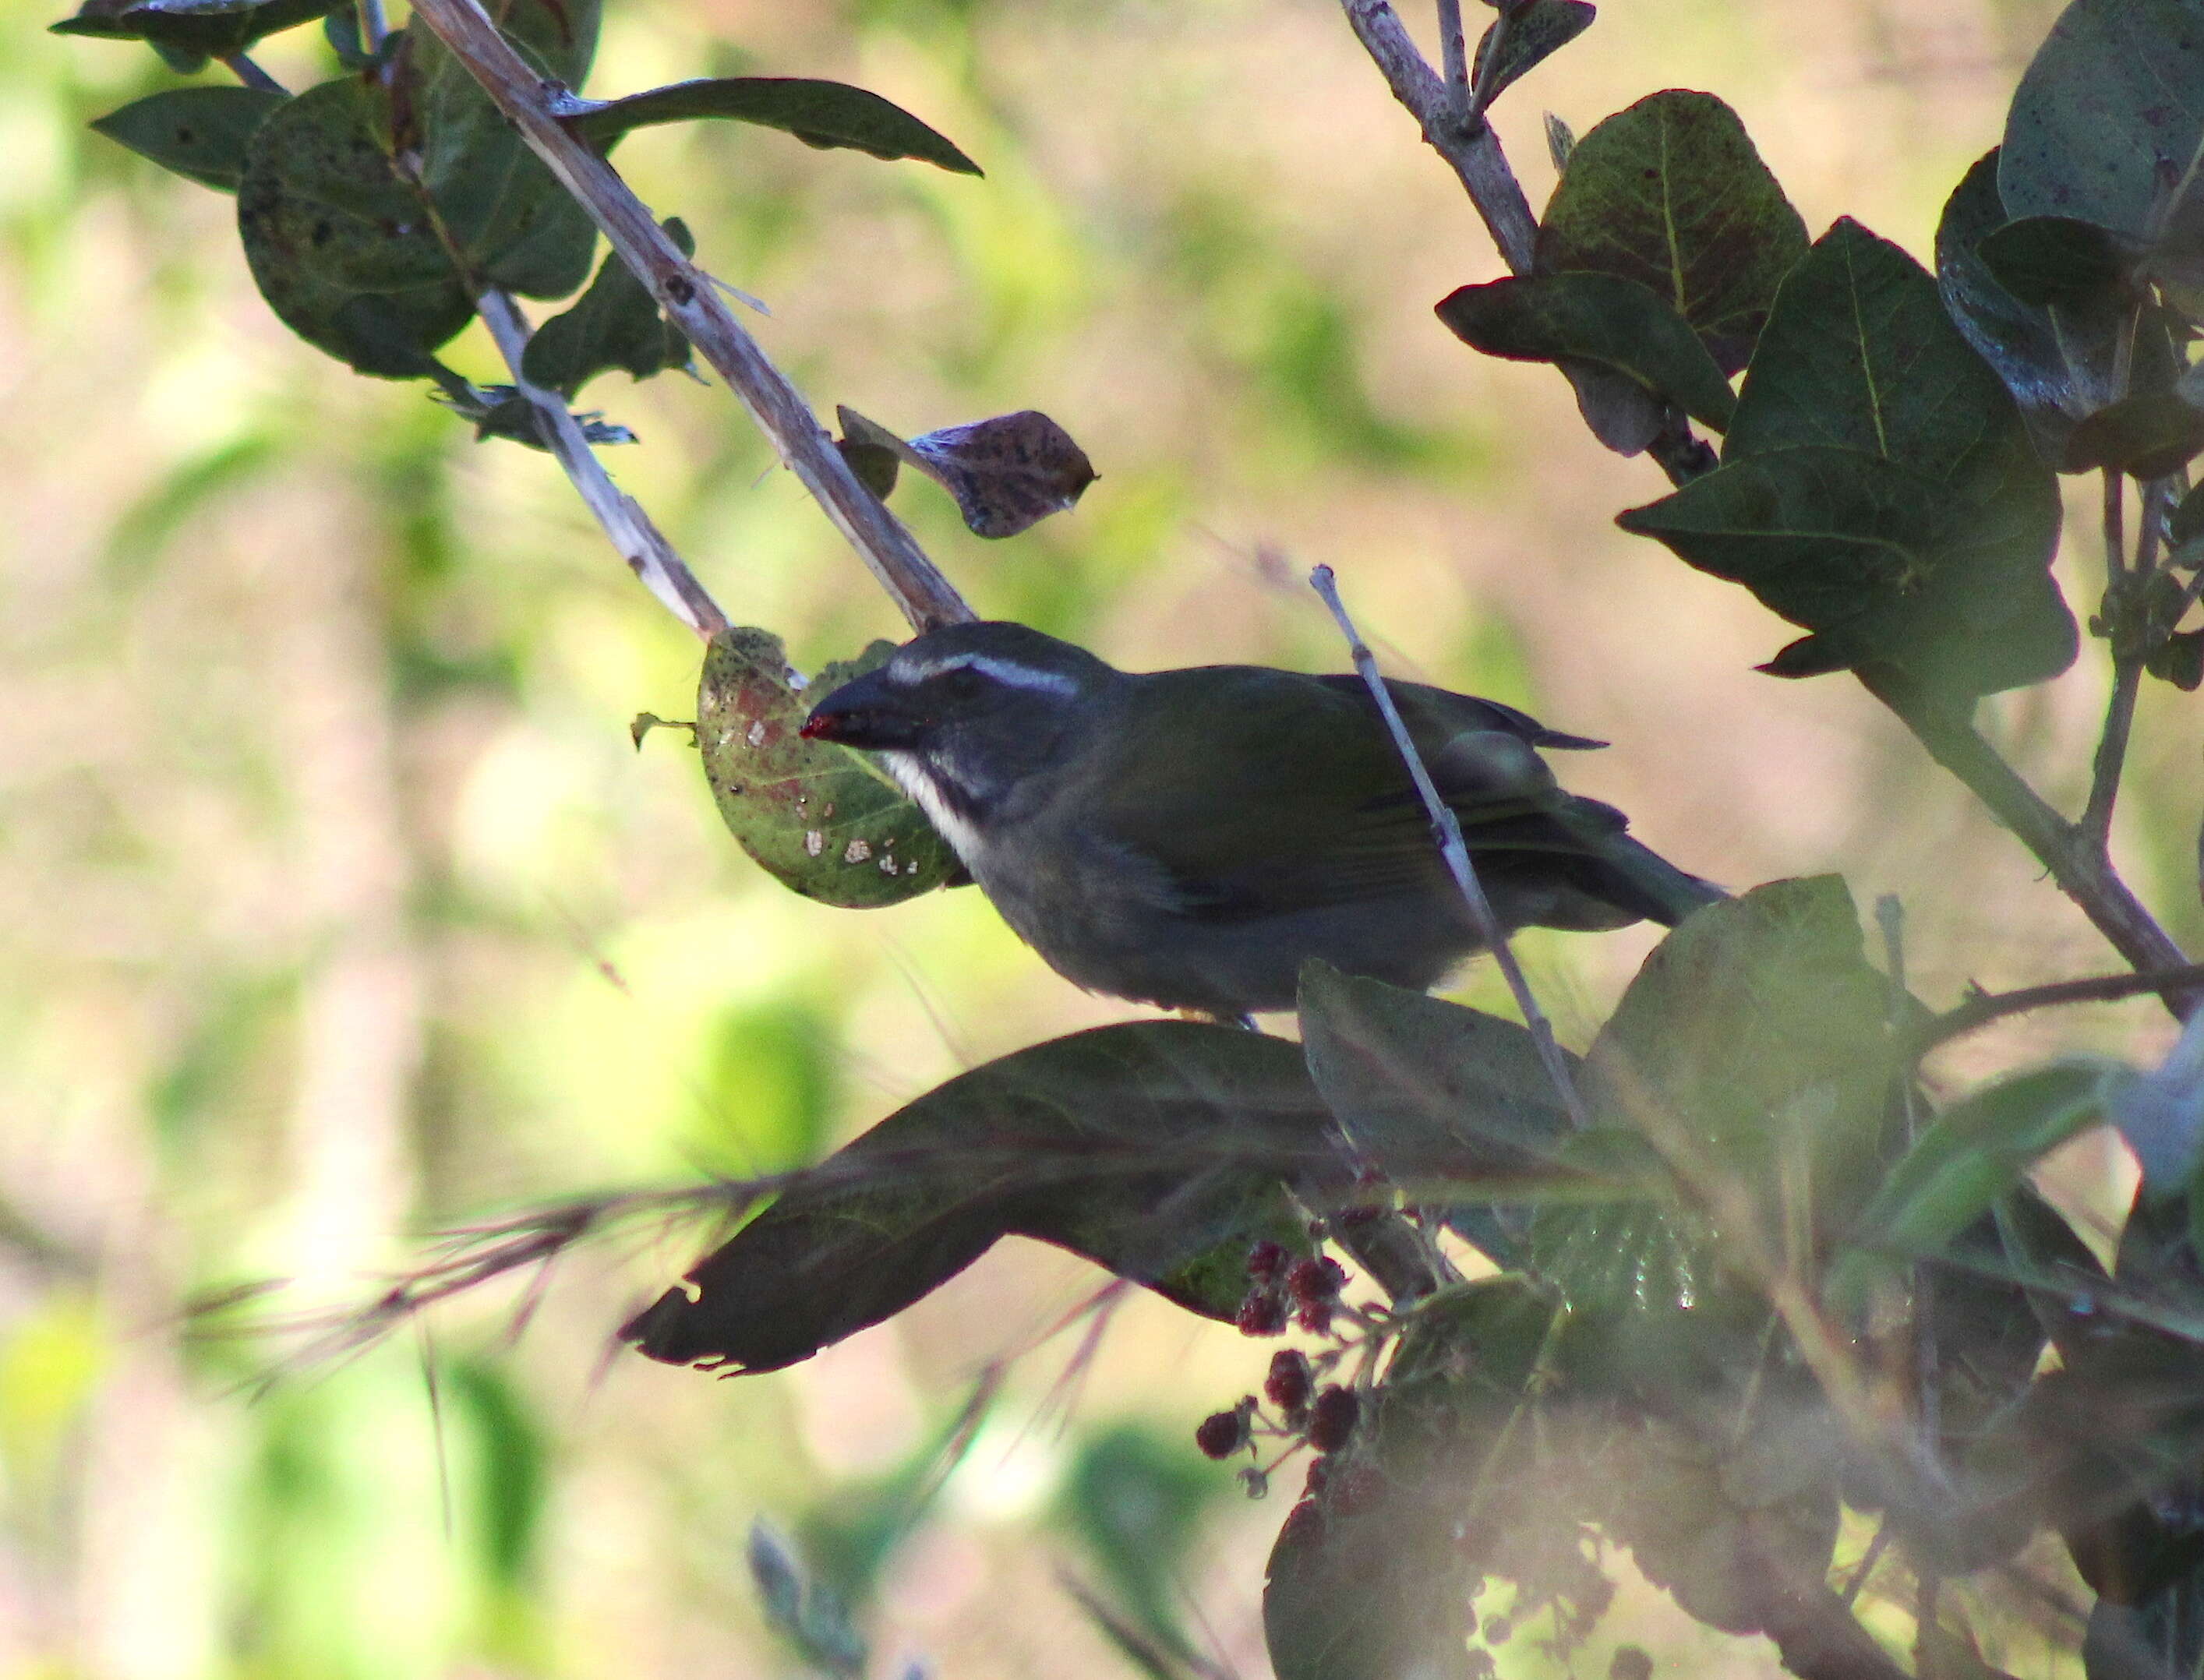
(338, 908)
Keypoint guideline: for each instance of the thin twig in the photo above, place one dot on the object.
(1456, 853)
(693, 304)
(2123, 604)
(647, 554)
(1487, 84)
(2082, 871)
(250, 73)
(1454, 47)
(373, 25)
(1979, 1010)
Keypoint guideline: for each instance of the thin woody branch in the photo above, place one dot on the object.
(693, 304)
(647, 554)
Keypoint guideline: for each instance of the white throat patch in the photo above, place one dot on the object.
(918, 784)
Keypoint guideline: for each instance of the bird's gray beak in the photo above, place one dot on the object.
(868, 713)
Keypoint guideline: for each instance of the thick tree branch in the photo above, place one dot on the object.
(647, 554)
(693, 304)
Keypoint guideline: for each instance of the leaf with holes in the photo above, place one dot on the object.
(340, 247)
(823, 114)
(1159, 1149)
(1613, 324)
(199, 133)
(1672, 194)
(818, 818)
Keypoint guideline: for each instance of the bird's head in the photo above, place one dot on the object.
(972, 708)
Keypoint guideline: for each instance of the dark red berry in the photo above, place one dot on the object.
(1331, 1419)
(1319, 1471)
(1222, 1434)
(1314, 1316)
(1265, 1260)
(1288, 1386)
(1262, 1314)
(1316, 1280)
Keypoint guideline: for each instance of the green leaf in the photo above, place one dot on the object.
(1536, 32)
(2179, 660)
(823, 114)
(1878, 486)
(1157, 1149)
(1883, 565)
(616, 323)
(2151, 434)
(338, 245)
(199, 133)
(188, 33)
(2058, 363)
(1973, 1156)
(817, 816)
(1752, 1051)
(2054, 259)
(1612, 322)
(1671, 193)
(507, 215)
(1425, 1089)
(2114, 95)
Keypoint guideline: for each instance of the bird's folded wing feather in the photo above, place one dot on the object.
(1257, 792)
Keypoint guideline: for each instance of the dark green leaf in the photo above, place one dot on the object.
(2054, 259)
(200, 133)
(2059, 364)
(2179, 660)
(1885, 565)
(2150, 435)
(1157, 1149)
(337, 243)
(1600, 318)
(506, 213)
(874, 453)
(1972, 1157)
(1672, 194)
(817, 816)
(1007, 473)
(616, 323)
(499, 411)
(2111, 109)
(1752, 1051)
(2186, 523)
(1879, 487)
(188, 33)
(823, 114)
(1451, 1475)
(1536, 32)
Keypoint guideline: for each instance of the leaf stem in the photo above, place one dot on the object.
(1456, 853)
(2081, 870)
(1983, 1009)
(649, 554)
(1454, 46)
(692, 302)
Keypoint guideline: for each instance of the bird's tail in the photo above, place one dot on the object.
(1635, 877)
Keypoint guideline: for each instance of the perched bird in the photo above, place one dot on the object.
(1189, 837)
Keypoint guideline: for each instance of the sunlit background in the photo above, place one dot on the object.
(336, 907)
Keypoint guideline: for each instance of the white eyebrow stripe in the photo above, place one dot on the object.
(1009, 672)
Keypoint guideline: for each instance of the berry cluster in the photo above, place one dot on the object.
(1285, 1291)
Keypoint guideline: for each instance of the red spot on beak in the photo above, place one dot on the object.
(816, 728)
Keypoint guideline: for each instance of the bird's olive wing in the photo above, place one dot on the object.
(1260, 792)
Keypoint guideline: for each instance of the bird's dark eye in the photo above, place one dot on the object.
(962, 684)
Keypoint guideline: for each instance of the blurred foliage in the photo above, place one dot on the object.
(338, 907)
